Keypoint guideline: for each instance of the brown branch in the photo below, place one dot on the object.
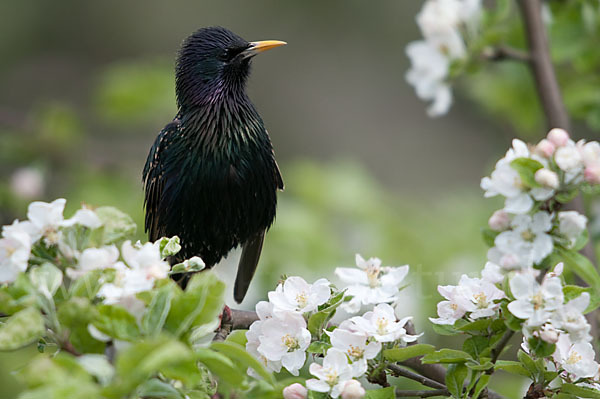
(499, 347)
(554, 108)
(402, 372)
(422, 394)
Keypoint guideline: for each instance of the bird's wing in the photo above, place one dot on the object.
(154, 179)
(248, 261)
(278, 177)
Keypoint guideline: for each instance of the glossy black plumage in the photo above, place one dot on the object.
(211, 177)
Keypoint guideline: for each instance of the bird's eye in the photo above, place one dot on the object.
(230, 53)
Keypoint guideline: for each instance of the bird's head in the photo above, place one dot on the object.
(213, 61)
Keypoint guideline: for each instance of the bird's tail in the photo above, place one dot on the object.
(247, 266)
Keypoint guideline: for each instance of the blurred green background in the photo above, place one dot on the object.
(86, 86)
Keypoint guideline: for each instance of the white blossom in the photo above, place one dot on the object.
(571, 224)
(15, 248)
(492, 273)
(547, 178)
(264, 310)
(528, 242)
(371, 283)
(332, 375)
(94, 258)
(429, 68)
(84, 217)
(381, 324)
(295, 294)
(451, 310)
(558, 137)
(356, 346)
(569, 317)
(285, 338)
(545, 148)
(577, 359)
(499, 221)
(534, 302)
(569, 159)
(45, 219)
(145, 266)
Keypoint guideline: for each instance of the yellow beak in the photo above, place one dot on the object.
(264, 45)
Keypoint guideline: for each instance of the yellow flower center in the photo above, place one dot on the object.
(355, 352)
(453, 306)
(527, 235)
(537, 300)
(574, 358)
(290, 342)
(331, 377)
(373, 276)
(302, 299)
(481, 300)
(381, 324)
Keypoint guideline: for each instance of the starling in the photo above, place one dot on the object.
(211, 177)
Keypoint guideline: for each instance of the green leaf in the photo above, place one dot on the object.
(541, 348)
(443, 329)
(526, 168)
(243, 359)
(238, 337)
(446, 356)
(529, 364)
(117, 322)
(455, 378)
(384, 393)
(117, 225)
(480, 386)
(318, 320)
(581, 266)
(21, 329)
(201, 303)
(76, 312)
(47, 278)
(155, 388)
(477, 325)
(156, 314)
(565, 197)
(477, 346)
(88, 285)
(318, 347)
(18, 295)
(489, 236)
(513, 368)
(581, 241)
(408, 352)
(580, 391)
(473, 365)
(221, 366)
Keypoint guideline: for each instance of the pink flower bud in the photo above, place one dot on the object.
(546, 178)
(499, 221)
(509, 261)
(545, 148)
(295, 391)
(549, 334)
(558, 137)
(591, 174)
(353, 390)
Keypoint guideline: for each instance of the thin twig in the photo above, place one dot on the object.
(499, 347)
(422, 394)
(502, 53)
(402, 372)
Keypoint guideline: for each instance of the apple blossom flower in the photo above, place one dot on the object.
(506, 181)
(264, 310)
(571, 224)
(45, 220)
(569, 159)
(591, 174)
(285, 338)
(144, 267)
(451, 310)
(548, 333)
(528, 242)
(93, 259)
(27, 183)
(371, 283)
(577, 359)
(427, 74)
(295, 391)
(15, 248)
(545, 148)
(332, 375)
(558, 137)
(499, 221)
(477, 296)
(296, 295)
(492, 273)
(534, 302)
(84, 217)
(547, 178)
(569, 317)
(356, 346)
(381, 324)
(353, 390)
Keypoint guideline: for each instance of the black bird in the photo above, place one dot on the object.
(211, 177)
